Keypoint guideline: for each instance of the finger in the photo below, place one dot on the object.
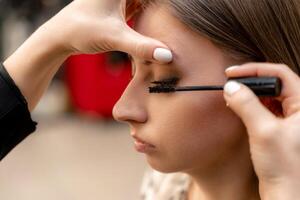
(289, 79)
(246, 105)
(291, 105)
(143, 47)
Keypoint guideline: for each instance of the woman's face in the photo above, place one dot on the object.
(185, 130)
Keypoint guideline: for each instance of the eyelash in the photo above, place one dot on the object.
(167, 82)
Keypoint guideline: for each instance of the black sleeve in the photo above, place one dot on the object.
(15, 119)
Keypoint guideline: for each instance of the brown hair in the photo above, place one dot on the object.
(251, 30)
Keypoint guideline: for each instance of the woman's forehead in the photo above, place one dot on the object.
(154, 19)
(158, 22)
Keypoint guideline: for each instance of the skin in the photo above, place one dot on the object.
(193, 132)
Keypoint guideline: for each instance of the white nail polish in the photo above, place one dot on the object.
(163, 55)
(231, 87)
(232, 67)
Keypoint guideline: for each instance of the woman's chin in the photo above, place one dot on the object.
(163, 166)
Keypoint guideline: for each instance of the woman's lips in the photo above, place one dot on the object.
(142, 146)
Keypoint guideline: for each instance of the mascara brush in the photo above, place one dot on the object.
(261, 86)
(169, 88)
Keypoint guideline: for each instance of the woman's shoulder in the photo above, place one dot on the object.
(159, 186)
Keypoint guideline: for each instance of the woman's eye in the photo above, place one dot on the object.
(169, 81)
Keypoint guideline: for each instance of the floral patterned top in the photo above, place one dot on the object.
(159, 186)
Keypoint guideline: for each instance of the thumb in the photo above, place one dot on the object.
(247, 105)
(143, 47)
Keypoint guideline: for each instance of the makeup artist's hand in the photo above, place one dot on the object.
(83, 26)
(94, 26)
(274, 141)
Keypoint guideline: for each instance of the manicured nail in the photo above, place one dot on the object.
(231, 87)
(163, 55)
(232, 68)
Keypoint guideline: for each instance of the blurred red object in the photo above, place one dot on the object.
(96, 82)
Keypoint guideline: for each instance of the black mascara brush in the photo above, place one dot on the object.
(170, 88)
(261, 86)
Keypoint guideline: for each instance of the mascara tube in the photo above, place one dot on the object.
(262, 86)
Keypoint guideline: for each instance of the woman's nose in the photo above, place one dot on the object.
(130, 108)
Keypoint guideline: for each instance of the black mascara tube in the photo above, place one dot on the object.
(262, 86)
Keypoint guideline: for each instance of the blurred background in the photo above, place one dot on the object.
(78, 151)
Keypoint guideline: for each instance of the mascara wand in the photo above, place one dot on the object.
(261, 86)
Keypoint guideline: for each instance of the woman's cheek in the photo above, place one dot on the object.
(192, 129)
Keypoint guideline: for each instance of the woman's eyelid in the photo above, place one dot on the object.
(168, 81)
(167, 74)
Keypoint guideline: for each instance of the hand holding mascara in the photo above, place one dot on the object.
(261, 86)
(273, 138)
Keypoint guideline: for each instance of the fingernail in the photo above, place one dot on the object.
(163, 55)
(231, 87)
(232, 68)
